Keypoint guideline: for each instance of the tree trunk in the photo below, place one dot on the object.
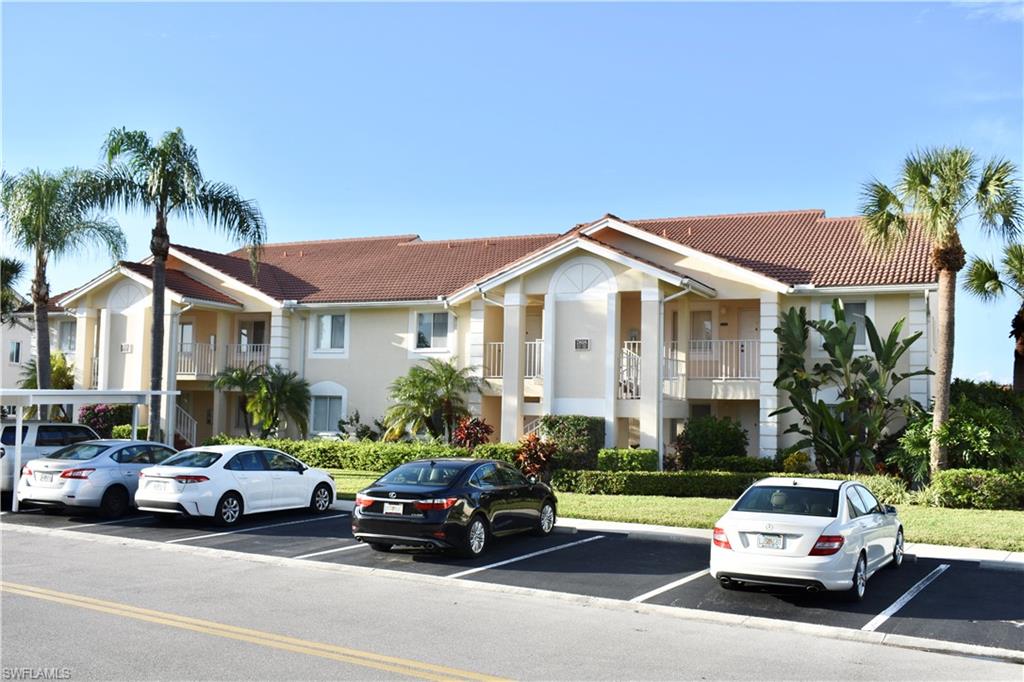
(945, 320)
(41, 301)
(159, 246)
(1017, 333)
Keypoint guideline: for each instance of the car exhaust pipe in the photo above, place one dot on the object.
(813, 589)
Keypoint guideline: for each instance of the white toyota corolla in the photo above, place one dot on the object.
(802, 532)
(227, 481)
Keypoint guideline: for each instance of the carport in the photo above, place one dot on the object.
(22, 398)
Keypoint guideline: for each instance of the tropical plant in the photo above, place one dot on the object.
(535, 454)
(165, 178)
(710, 437)
(102, 418)
(471, 432)
(62, 376)
(354, 425)
(989, 282)
(280, 393)
(48, 215)
(430, 398)
(934, 194)
(11, 270)
(846, 430)
(244, 380)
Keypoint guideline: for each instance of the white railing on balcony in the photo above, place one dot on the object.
(532, 427)
(196, 359)
(185, 425)
(534, 359)
(629, 371)
(94, 374)
(245, 354)
(723, 359)
(494, 359)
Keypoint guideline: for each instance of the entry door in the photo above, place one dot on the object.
(749, 334)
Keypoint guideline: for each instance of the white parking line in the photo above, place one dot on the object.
(144, 519)
(877, 621)
(331, 551)
(470, 571)
(675, 583)
(244, 530)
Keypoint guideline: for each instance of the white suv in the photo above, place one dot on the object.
(38, 439)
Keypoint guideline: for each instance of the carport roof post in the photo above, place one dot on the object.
(20, 398)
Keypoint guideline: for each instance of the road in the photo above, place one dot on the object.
(97, 608)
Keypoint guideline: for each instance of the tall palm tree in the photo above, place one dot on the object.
(49, 215)
(11, 270)
(430, 397)
(280, 393)
(936, 190)
(165, 178)
(984, 280)
(244, 380)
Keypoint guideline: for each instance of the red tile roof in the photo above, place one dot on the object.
(52, 305)
(180, 283)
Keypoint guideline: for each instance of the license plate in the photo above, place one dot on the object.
(157, 486)
(44, 478)
(769, 541)
(393, 508)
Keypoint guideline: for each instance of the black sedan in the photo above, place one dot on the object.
(456, 504)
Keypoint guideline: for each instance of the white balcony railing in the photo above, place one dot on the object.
(534, 359)
(629, 371)
(723, 359)
(185, 425)
(196, 359)
(245, 354)
(494, 359)
(94, 374)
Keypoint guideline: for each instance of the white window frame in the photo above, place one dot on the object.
(73, 337)
(313, 332)
(326, 389)
(14, 348)
(817, 343)
(451, 339)
(701, 308)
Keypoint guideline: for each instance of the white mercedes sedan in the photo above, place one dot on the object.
(227, 481)
(804, 532)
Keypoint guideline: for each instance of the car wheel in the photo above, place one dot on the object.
(476, 538)
(380, 546)
(321, 500)
(897, 551)
(860, 581)
(547, 520)
(114, 503)
(229, 510)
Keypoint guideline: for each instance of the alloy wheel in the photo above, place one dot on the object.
(322, 499)
(547, 518)
(230, 510)
(897, 553)
(860, 580)
(477, 536)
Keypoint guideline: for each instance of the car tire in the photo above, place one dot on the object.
(546, 524)
(321, 500)
(229, 510)
(897, 551)
(380, 546)
(860, 581)
(476, 540)
(115, 502)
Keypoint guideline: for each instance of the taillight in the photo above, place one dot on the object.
(142, 475)
(190, 478)
(363, 501)
(25, 471)
(76, 473)
(827, 544)
(720, 539)
(438, 504)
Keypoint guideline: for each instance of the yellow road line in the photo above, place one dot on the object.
(367, 659)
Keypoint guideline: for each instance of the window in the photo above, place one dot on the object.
(870, 503)
(193, 458)
(251, 332)
(278, 461)
(855, 312)
(487, 477)
(432, 330)
(50, 435)
(66, 337)
(510, 476)
(79, 452)
(142, 454)
(8, 435)
(247, 461)
(185, 337)
(797, 500)
(14, 353)
(330, 333)
(698, 410)
(327, 412)
(700, 329)
(426, 473)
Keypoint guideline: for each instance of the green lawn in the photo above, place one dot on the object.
(962, 527)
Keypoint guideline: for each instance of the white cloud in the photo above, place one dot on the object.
(1006, 12)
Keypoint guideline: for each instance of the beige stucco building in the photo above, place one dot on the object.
(642, 322)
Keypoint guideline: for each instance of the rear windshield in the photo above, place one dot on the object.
(424, 473)
(198, 459)
(79, 451)
(789, 499)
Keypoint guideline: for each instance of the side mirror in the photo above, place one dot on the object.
(532, 478)
(889, 509)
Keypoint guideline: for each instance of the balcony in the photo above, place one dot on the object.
(196, 360)
(94, 374)
(245, 354)
(629, 371)
(494, 359)
(723, 359)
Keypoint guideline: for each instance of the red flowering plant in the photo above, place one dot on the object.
(471, 432)
(102, 418)
(535, 455)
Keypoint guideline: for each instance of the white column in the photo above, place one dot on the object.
(514, 360)
(170, 403)
(917, 321)
(650, 364)
(17, 457)
(103, 355)
(83, 353)
(475, 340)
(548, 396)
(279, 338)
(768, 426)
(611, 362)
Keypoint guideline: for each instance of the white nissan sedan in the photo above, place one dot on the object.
(227, 481)
(802, 532)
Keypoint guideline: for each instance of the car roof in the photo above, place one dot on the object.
(800, 482)
(228, 449)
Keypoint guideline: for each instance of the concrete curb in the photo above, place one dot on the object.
(832, 632)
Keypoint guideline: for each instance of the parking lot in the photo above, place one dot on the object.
(961, 602)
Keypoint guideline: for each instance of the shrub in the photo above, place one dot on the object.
(355, 425)
(573, 460)
(338, 454)
(534, 456)
(670, 484)
(710, 437)
(733, 463)
(888, 489)
(573, 432)
(471, 432)
(125, 431)
(102, 418)
(627, 459)
(976, 489)
(503, 452)
(797, 463)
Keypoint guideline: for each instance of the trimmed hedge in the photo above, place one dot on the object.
(733, 463)
(574, 432)
(978, 489)
(627, 459)
(503, 452)
(363, 455)
(668, 484)
(125, 431)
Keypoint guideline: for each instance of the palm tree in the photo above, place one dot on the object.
(166, 179)
(280, 393)
(11, 270)
(430, 398)
(49, 215)
(984, 280)
(62, 377)
(935, 191)
(245, 380)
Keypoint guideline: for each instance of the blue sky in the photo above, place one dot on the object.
(464, 120)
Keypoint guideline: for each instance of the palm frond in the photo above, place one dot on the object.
(131, 143)
(885, 219)
(981, 279)
(240, 218)
(998, 198)
(1013, 266)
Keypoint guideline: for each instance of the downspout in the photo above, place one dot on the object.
(480, 291)
(687, 288)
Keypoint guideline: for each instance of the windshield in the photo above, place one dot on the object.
(789, 499)
(196, 458)
(79, 451)
(424, 473)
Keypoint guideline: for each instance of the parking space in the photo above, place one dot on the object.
(949, 600)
